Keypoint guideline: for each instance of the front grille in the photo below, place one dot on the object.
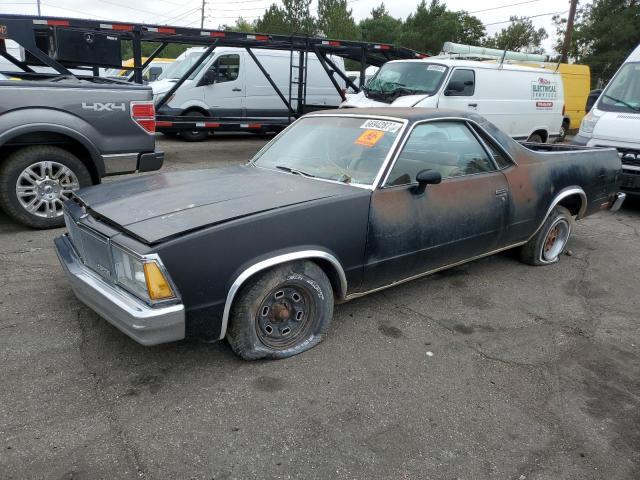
(92, 247)
(629, 156)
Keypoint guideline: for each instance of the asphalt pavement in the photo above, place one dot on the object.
(491, 370)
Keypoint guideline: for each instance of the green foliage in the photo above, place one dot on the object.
(273, 21)
(241, 25)
(605, 33)
(520, 35)
(335, 20)
(293, 17)
(380, 27)
(171, 51)
(430, 26)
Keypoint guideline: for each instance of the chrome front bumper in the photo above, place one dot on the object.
(617, 203)
(144, 324)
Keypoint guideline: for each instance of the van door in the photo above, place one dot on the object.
(223, 86)
(459, 92)
(261, 99)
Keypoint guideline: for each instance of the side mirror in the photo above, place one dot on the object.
(426, 177)
(454, 87)
(209, 77)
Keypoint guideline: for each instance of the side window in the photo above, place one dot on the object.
(499, 158)
(461, 84)
(448, 147)
(226, 68)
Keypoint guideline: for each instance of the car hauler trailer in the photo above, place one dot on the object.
(63, 43)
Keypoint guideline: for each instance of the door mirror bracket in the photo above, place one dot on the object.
(424, 178)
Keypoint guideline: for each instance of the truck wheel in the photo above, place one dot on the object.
(535, 138)
(281, 312)
(35, 181)
(195, 135)
(550, 241)
(563, 131)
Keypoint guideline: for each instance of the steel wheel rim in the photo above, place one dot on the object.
(556, 239)
(42, 187)
(285, 315)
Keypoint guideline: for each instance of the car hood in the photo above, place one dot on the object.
(156, 207)
(359, 100)
(617, 126)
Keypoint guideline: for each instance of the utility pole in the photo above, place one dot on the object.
(39, 8)
(202, 18)
(569, 33)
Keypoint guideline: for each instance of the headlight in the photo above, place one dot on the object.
(588, 124)
(143, 278)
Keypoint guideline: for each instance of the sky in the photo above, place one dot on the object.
(493, 13)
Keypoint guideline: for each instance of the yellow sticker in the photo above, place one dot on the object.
(369, 138)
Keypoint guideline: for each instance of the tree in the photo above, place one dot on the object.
(273, 21)
(380, 27)
(430, 26)
(298, 16)
(241, 25)
(605, 32)
(335, 20)
(520, 35)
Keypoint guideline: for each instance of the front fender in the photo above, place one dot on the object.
(20, 122)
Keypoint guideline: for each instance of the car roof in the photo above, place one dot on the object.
(488, 65)
(402, 113)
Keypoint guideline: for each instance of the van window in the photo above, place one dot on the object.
(178, 68)
(623, 93)
(461, 84)
(226, 68)
(447, 147)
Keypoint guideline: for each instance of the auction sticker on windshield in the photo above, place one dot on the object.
(369, 138)
(437, 68)
(381, 125)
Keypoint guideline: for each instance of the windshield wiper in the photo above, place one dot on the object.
(617, 100)
(295, 171)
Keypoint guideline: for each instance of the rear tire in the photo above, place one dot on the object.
(195, 135)
(535, 138)
(45, 176)
(548, 244)
(281, 312)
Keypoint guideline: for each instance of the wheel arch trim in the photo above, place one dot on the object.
(565, 193)
(278, 260)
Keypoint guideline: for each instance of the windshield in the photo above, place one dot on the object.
(407, 78)
(178, 68)
(344, 149)
(623, 93)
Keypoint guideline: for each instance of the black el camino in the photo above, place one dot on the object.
(340, 204)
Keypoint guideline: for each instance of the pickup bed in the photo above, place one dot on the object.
(61, 133)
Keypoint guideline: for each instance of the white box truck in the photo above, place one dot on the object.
(614, 121)
(525, 102)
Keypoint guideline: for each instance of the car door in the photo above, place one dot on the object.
(224, 86)
(460, 91)
(458, 219)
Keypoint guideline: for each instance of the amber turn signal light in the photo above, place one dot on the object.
(157, 285)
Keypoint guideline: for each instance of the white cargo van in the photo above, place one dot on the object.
(230, 84)
(527, 103)
(614, 121)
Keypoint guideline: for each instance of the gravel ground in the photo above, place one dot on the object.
(492, 370)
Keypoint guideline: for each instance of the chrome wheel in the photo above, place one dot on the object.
(556, 240)
(284, 316)
(43, 186)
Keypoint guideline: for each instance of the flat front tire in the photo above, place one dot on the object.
(36, 180)
(281, 312)
(548, 244)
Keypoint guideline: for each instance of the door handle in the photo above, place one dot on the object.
(501, 192)
(236, 89)
(472, 105)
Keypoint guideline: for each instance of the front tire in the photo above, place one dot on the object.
(36, 180)
(281, 312)
(550, 241)
(194, 135)
(535, 138)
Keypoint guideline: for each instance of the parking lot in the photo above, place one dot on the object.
(491, 370)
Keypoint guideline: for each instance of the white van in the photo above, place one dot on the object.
(527, 103)
(614, 121)
(230, 84)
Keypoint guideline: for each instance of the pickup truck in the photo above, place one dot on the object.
(58, 134)
(341, 204)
